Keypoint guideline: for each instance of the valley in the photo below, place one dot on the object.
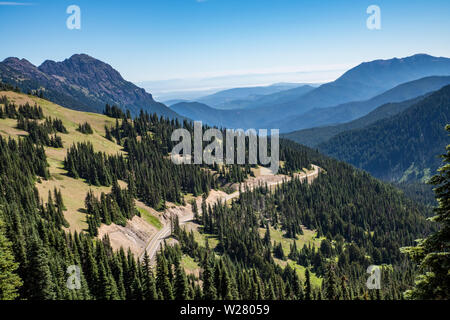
(101, 191)
(186, 214)
(139, 235)
(215, 158)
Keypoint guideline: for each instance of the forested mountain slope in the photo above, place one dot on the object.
(315, 136)
(353, 110)
(401, 148)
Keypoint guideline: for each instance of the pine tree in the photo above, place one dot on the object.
(330, 283)
(195, 210)
(267, 239)
(297, 286)
(107, 284)
(226, 286)
(181, 285)
(307, 285)
(433, 253)
(138, 290)
(162, 278)
(278, 251)
(209, 290)
(39, 282)
(10, 282)
(148, 281)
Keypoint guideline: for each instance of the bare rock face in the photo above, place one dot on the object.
(21, 69)
(82, 83)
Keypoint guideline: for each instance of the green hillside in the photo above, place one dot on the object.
(73, 190)
(314, 136)
(401, 148)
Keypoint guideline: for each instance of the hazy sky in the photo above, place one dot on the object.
(167, 39)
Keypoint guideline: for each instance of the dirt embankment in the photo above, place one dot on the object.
(138, 233)
(134, 235)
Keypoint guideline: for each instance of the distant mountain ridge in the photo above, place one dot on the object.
(320, 119)
(84, 83)
(200, 112)
(315, 136)
(239, 98)
(81, 83)
(361, 83)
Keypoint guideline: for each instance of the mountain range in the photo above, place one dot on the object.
(361, 83)
(241, 98)
(87, 84)
(201, 112)
(114, 189)
(110, 183)
(81, 83)
(387, 104)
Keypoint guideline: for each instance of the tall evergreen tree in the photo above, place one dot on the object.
(209, 290)
(10, 282)
(149, 281)
(308, 295)
(39, 282)
(181, 285)
(107, 284)
(433, 253)
(162, 278)
(331, 283)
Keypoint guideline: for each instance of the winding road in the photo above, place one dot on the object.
(157, 240)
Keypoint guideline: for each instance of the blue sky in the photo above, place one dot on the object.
(167, 39)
